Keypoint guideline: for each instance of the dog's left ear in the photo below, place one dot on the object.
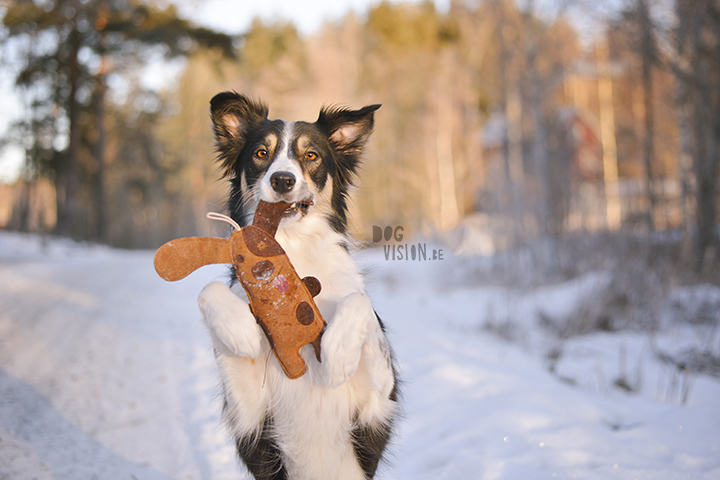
(348, 130)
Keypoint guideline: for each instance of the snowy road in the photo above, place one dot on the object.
(106, 372)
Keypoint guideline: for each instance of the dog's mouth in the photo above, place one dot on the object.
(302, 206)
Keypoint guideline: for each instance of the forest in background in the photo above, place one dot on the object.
(502, 123)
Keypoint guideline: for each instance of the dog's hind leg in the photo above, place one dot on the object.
(238, 341)
(374, 423)
(261, 454)
(369, 443)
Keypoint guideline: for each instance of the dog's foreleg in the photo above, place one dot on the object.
(230, 321)
(342, 342)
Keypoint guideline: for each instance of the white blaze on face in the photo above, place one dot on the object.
(283, 162)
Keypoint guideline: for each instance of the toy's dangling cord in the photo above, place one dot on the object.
(267, 361)
(223, 218)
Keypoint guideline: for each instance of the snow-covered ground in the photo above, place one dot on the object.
(107, 373)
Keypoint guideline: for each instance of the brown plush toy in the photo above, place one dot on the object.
(282, 303)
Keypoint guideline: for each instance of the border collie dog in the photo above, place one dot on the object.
(335, 421)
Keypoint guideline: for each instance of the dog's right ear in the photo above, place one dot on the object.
(233, 115)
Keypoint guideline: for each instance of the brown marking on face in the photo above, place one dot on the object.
(269, 144)
(303, 145)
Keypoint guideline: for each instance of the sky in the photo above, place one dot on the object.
(235, 16)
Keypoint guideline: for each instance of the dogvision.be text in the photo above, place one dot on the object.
(403, 251)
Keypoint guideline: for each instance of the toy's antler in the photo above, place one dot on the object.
(179, 258)
(281, 302)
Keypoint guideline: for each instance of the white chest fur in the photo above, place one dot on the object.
(313, 416)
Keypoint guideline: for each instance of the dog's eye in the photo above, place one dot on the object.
(261, 153)
(311, 156)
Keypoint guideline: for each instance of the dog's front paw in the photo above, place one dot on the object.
(230, 320)
(339, 365)
(341, 344)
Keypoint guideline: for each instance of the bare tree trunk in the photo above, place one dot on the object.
(20, 217)
(607, 138)
(648, 59)
(706, 148)
(685, 168)
(511, 194)
(513, 151)
(68, 181)
(99, 154)
(698, 48)
(546, 217)
(449, 212)
(433, 194)
(705, 171)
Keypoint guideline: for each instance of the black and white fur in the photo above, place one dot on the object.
(335, 421)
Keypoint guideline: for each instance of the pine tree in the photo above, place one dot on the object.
(72, 47)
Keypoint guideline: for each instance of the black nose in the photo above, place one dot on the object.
(282, 182)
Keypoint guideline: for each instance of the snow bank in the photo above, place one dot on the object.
(105, 372)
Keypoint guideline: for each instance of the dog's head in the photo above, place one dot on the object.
(310, 165)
